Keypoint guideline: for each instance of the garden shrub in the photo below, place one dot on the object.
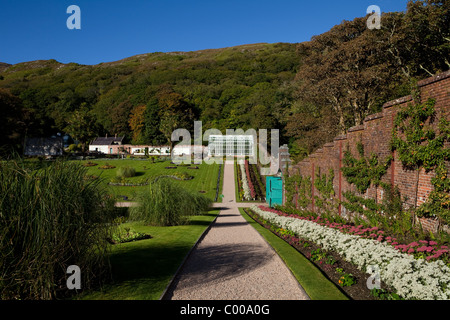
(165, 203)
(125, 172)
(50, 218)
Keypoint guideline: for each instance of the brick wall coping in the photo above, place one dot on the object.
(374, 116)
(356, 128)
(438, 77)
(341, 137)
(397, 101)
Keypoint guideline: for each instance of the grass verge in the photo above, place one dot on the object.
(142, 269)
(316, 285)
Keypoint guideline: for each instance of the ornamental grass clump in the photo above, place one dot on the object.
(125, 172)
(165, 203)
(51, 218)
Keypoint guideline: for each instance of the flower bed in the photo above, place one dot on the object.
(245, 186)
(106, 166)
(330, 263)
(89, 164)
(127, 183)
(411, 278)
(249, 180)
(258, 184)
(128, 235)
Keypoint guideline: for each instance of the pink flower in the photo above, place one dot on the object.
(401, 246)
(433, 243)
(437, 255)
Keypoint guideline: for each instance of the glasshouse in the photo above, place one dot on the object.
(231, 145)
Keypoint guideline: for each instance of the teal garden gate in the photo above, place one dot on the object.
(274, 191)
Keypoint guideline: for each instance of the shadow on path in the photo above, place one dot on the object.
(219, 263)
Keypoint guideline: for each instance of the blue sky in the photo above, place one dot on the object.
(116, 29)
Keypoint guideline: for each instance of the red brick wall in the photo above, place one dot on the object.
(375, 134)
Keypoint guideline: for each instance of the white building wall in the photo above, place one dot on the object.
(102, 149)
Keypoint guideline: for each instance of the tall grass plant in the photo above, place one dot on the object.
(50, 217)
(165, 203)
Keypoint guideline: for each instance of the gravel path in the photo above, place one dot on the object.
(233, 261)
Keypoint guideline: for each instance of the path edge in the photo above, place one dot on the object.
(292, 273)
(180, 267)
(275, 251)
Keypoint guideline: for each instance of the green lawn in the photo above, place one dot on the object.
(143, 269)
(316, 285)
(205, 178)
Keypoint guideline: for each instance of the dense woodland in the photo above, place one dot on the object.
(311, 91)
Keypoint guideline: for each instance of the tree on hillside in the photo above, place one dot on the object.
(119, 116)
(13, 125)
(261, 118)
(136, 122)
(174, 113)
(151, 132)
(309, 128)
(345, 69)
(82, 126)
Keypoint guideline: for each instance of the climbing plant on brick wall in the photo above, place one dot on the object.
(362, 172)
(290, 189)
(418, 146)
(304, 191)
(324, 185)
(298, 191)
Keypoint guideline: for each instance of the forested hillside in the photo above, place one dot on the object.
(310, 91)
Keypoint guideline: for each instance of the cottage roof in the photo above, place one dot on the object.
(106, 141)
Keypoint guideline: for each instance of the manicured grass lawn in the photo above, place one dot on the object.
(205, 178)
(316, 285)
(143, 269)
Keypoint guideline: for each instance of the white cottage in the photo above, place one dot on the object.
(106, 145)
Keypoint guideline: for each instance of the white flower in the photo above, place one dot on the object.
(411, 278)
(247, 193)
